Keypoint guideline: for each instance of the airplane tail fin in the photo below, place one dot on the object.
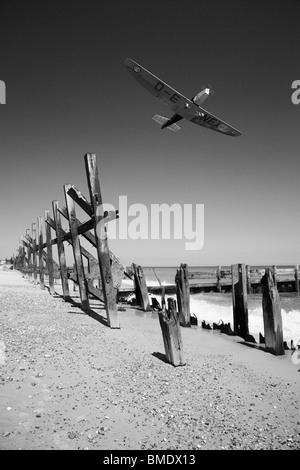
(201, 96)
(162, 120)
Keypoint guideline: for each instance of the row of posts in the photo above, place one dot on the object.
(248, 278)
(97, 221)
(171, 318)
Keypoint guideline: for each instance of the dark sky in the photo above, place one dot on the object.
(68, 93)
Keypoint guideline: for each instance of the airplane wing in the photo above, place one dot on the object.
(203, 118)
(172, 98)
(176, 101)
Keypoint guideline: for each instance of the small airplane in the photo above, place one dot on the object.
(183, 107)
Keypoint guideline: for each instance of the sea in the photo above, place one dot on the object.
(214, 306)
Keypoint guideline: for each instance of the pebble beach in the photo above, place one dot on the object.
(70, 382)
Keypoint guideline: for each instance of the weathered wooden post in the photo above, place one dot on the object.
(24, 264)
(16, 260)
(296, 278)
(49, 252)
(75, 274)
(109, 292)
(248, 276)
(33, 232)
(183, 295)
(40, 246)
(239, 300)
(170, 327)
(140, 288)
(22, 257)
(272, 314)
(77, 250)
(218, 275)
(274, 275)
(61, 251)
(163, 298)
(25, 259)
(29, 255)
(261, 339)
(21, 262)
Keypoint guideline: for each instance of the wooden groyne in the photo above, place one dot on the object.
(101, 276)
(35, 262)
(218, 279)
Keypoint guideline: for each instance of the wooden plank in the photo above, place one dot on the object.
(183, 295)
(170, 327)
(41, 261)
(77, 250)
(140, 288)
(61, 252)
(109, 292)
(34, 254)
(49, 253)
(117, 266)
(239, 300)
(82, 228)
(23, 242)
(67, 236)
(272, 314)
(95, 291)
(296, 278)
(79, 198)
(28, 238)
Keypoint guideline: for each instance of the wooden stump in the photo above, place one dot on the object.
(248, 276)
(261, 339)
(296, 278)
(141, 291)
(239, 300)
(163, 298)
(274, 275)
(183, 295)
(169, 323)
(272, 314)
(218, 276)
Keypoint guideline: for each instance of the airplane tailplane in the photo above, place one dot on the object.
(162, 120)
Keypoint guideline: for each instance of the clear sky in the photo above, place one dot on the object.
(68, 93)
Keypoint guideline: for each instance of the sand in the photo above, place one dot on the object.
(70, 382)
